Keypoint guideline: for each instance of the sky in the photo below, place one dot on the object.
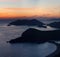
(29, 8)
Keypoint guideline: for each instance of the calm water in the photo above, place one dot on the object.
(21, 50)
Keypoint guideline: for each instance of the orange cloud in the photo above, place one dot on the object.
(28, 12)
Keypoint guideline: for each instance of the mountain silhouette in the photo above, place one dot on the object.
(25, 22)
(36, 36)
(55, 24)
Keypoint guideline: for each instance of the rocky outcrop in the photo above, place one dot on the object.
(24, 22)
(32, 35)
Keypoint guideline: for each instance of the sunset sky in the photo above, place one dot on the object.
(29, 8)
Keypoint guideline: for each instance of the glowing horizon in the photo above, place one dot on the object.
(29, 8)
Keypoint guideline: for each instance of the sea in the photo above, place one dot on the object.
(22, 49)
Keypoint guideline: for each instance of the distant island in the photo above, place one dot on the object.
(55, 24)
(32, 35)
(26, 22)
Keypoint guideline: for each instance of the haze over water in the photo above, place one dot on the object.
(23, 49)
(14, 9)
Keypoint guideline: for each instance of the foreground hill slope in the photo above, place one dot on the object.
(36, 36)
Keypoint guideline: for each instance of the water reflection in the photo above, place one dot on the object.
(32, 50)
(21, 50)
